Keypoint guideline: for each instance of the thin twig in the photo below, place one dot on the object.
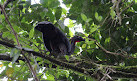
(112, 53)
(127, 7)
(15, 34)
(6, 3)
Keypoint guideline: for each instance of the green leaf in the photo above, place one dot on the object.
(50, 65)
(67, 73)
(94, 28)
(135, 1)
(107, 40)
(112, 13)
(84, 17)
(31, 33)
(64, 11)
(67, 57)
(50, 3)
(58, 13)
(2, 17)
(61, 23)
(70, 23)
(16, 28)
(49, 77)
(44, 2)
(89, 19)
(15, 57)
(134, 6)
(96, 15)
(89, 42)
(12, 52)
(98, 18)
(50, 15)
(84, 46)
(8, 35)
(21, 62)
(15, 54)
(53, 3)
(42, 14)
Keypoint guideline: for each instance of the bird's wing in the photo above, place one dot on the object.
(47, 43)
(67, 44)
(65, 40)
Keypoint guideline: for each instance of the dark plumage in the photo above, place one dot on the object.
(55, 40)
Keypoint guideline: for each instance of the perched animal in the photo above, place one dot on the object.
(55, 40)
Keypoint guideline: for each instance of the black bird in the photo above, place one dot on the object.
(55, 40)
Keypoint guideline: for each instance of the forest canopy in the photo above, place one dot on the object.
(108, 53)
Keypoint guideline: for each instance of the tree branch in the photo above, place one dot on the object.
(6, 17)
(53, 60)
(121, 72)
(6, 57)
(6, 3)
(15, 34)
(112, 53)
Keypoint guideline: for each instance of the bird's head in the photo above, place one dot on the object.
(77, 39)
(42, 26)
(73, 42)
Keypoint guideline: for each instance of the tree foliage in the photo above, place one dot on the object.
(108, 53)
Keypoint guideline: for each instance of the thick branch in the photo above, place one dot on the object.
(6, 57)
(53, 60)
(127, 72)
